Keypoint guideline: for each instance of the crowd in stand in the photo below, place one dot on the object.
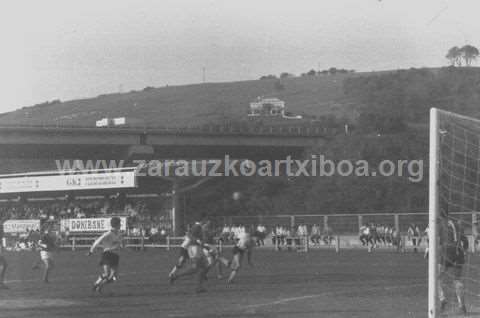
(61, 209)
(141, 219)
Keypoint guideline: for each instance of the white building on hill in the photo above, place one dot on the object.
(270, 107)
(267, 107)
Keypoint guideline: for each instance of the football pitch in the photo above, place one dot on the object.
(321, 283)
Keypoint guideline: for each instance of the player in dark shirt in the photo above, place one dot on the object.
(454, 245)
(47, 246)
(211, 251)
(197, 257)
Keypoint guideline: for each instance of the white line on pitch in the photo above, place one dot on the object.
(291, 299)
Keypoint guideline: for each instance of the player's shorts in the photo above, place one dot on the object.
(237, 250)
(183, 253)
(212, 251)
(195, 251)
(46, 255)
(109, 258)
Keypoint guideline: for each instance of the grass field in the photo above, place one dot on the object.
(320, 283)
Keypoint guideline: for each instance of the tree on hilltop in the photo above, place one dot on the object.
(469, 54)
(454, 55)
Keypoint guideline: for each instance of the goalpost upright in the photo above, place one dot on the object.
(433, 212)
(454, 185)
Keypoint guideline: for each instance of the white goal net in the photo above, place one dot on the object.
(454, 271)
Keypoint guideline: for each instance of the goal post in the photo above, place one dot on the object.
(433, 212)
(454, 186)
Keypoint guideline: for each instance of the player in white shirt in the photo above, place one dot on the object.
(110, 241)
(226, 233)
(183, 255)
(244, 245)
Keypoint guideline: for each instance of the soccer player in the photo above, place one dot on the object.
(3, 261)
(196, 254)
(244, 245)
(412, 237)
(110, 241)
(315, 234)
(388, 234)
(373, 236)
(183, 255)
(260, 234)
(397, 239)
(275, 236)
(427, 233)
(364, 234)
(327, 235)
(210, 250)
(381, 234)
(47, 246)
(225, 233)
(454, 246)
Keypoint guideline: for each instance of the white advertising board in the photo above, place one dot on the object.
(90, 225)
(67, 182)
(20, 226)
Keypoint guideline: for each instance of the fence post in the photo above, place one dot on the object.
(292, 221)
(220, 246)
(325, 221)
(360, 221)
(168, 242)
(396, 221)
(143, 242)
(73, 243)
(337, 244)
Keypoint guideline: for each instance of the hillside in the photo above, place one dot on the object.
(387, 111)
(180, 106)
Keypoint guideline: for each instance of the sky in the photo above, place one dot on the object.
(57, 49)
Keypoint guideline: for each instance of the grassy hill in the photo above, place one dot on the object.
(183, 106)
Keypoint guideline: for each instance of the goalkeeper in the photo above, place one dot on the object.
(454, 245)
